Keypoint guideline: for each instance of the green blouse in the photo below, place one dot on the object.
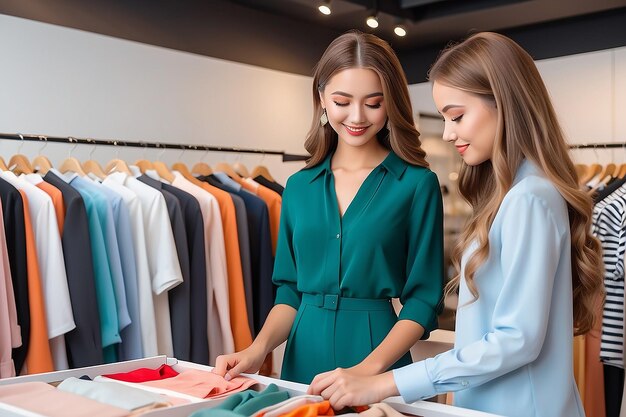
(388, 244)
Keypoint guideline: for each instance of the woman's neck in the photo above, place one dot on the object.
(353, 158)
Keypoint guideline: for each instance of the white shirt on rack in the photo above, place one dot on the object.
(163, 262)
(115, 182)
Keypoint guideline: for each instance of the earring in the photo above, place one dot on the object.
(388, 125)
(323, 118)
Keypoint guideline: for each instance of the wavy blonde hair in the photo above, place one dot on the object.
(496, 68)
(355, 49)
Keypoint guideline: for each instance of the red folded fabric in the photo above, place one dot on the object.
(145, 374)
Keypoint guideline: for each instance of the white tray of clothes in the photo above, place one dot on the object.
(419, 408)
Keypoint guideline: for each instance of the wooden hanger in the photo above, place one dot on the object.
(72, 164)
(241, 169)
(620, 173)
(592, 171)
(163, 171)
(201, 168)
(94, 167)
(117, 165)
(228, 170)
(144, 165)
(3, 166)
(20, 164)
(42, 164)
(182, 168)
(261, 170)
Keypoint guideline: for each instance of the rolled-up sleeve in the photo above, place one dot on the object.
(285, 272)
(422, 292)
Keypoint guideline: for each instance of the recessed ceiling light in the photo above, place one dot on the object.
(399, 30)
(372, 22)
(324, 8)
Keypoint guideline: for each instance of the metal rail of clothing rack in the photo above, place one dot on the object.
(599, 146)
(156, 145)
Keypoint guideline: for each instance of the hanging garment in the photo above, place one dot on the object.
(38, 357)
(194, 226)
(274, 186)
(115, 181)
(179, 297)
(273, 201)
(236, 294)
(105, 294)
(165, 269)
(107, 225)
(58, 308)
(14, 228)
(131, 346)
(340, 280)
(609, 226)
(244, 246)
(262, 260)
(84, 343)
(9, 329)
(54, 193)
(219, 330)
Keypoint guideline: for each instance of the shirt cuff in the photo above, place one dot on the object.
(287, 294)
(413, 382)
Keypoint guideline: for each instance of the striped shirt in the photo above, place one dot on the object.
(609, 225)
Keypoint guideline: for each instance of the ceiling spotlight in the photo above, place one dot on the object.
(372, 22)
(324, 8)
(399, 30)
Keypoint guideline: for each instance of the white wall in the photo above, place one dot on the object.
(588, 92)
(66, 82)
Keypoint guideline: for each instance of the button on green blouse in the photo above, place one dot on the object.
(340, 272)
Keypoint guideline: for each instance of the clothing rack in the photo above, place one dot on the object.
(599, 145)
(156, 145)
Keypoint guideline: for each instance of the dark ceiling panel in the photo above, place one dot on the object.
(217, 28)
(291, 35)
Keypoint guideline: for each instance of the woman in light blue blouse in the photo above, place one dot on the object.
(530, 271)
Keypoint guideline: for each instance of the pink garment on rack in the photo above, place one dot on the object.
(203, 384)
(39, 397)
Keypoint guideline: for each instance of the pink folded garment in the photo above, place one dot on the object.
(44, 399)
(203, 384)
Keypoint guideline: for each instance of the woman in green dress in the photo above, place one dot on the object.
(361, 224)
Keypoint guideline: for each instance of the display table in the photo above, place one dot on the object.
(419, 408)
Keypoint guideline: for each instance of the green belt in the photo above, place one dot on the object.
(335, 302)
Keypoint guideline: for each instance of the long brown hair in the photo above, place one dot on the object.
(496, 68)
(355, 49)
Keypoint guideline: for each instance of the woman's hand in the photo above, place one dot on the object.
(344, 387)
(248, 360)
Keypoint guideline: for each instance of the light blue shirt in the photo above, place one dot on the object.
(131, 346)
(513, 347)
